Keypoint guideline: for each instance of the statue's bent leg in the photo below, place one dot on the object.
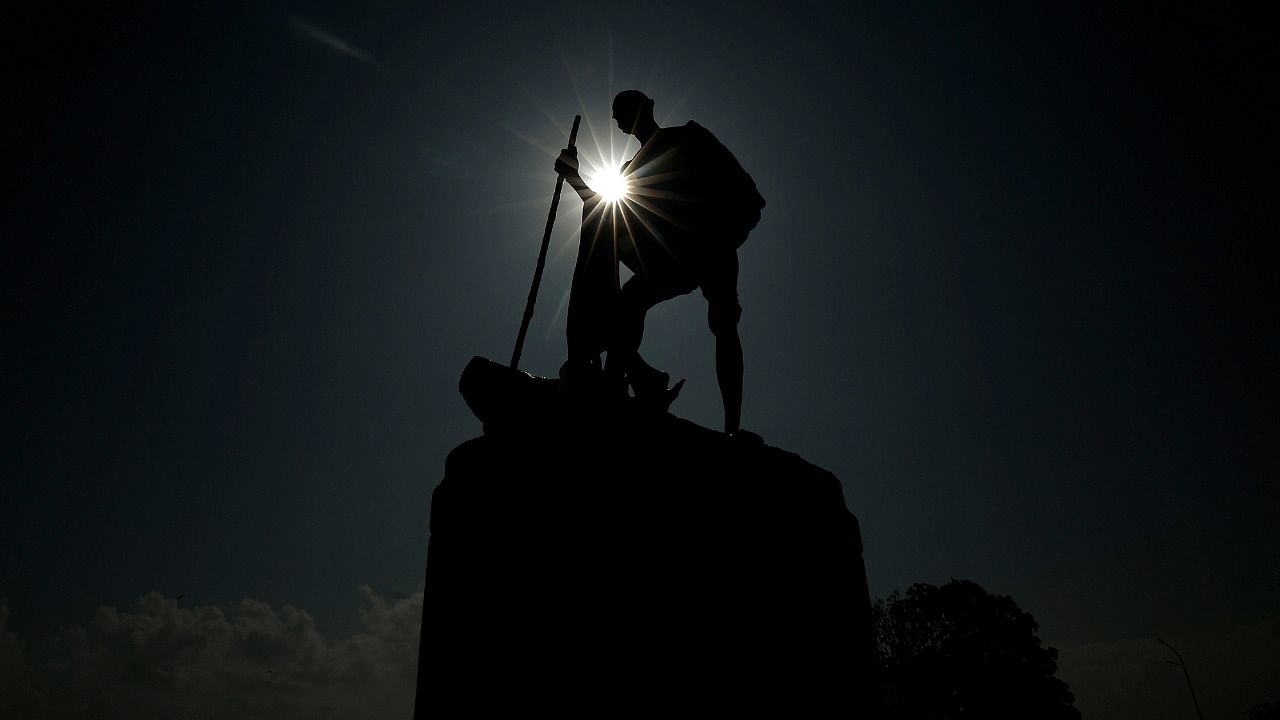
(634, 300)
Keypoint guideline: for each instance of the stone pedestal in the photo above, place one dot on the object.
(601, 560)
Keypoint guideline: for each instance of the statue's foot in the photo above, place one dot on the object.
(654, 393)
(672, 393)
(648, 385)
(583, 380)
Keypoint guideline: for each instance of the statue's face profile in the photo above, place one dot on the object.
(626, 121)
(630, 108)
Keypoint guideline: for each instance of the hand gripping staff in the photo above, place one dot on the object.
(542, 256)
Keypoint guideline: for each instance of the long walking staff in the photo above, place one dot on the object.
(542, 256)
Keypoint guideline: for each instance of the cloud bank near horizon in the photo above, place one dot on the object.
(248, 660)
(252, 660)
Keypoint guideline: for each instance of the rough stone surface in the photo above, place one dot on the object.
(591, 557)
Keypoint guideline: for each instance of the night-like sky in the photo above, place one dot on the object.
(1014, 286)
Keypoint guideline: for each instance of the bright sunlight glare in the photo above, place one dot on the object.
(609, 182)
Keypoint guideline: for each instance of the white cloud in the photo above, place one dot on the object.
(249, 660)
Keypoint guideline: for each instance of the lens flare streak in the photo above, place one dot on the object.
(609, 182)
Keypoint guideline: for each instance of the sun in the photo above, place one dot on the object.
(609, 182)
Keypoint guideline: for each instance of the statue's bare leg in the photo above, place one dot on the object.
(729, 376)
(720, 287)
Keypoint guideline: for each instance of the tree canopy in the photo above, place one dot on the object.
(957, 651)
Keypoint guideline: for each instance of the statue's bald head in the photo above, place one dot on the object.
(633, 110)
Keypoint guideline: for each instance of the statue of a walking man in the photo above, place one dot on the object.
(689, 206)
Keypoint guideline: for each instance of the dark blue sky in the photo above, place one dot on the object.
(1013, 286)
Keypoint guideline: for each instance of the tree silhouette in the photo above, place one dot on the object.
(957, 651)
(1265, 711)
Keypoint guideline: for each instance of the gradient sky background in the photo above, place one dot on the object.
(1014, 286)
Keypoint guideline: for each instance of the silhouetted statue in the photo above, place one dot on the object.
(568, 572)
(689, 207)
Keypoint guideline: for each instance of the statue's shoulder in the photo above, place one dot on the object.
(691, 131)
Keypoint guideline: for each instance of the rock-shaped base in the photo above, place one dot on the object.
(595, 559)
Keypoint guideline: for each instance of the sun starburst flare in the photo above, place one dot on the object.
(609, 182)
